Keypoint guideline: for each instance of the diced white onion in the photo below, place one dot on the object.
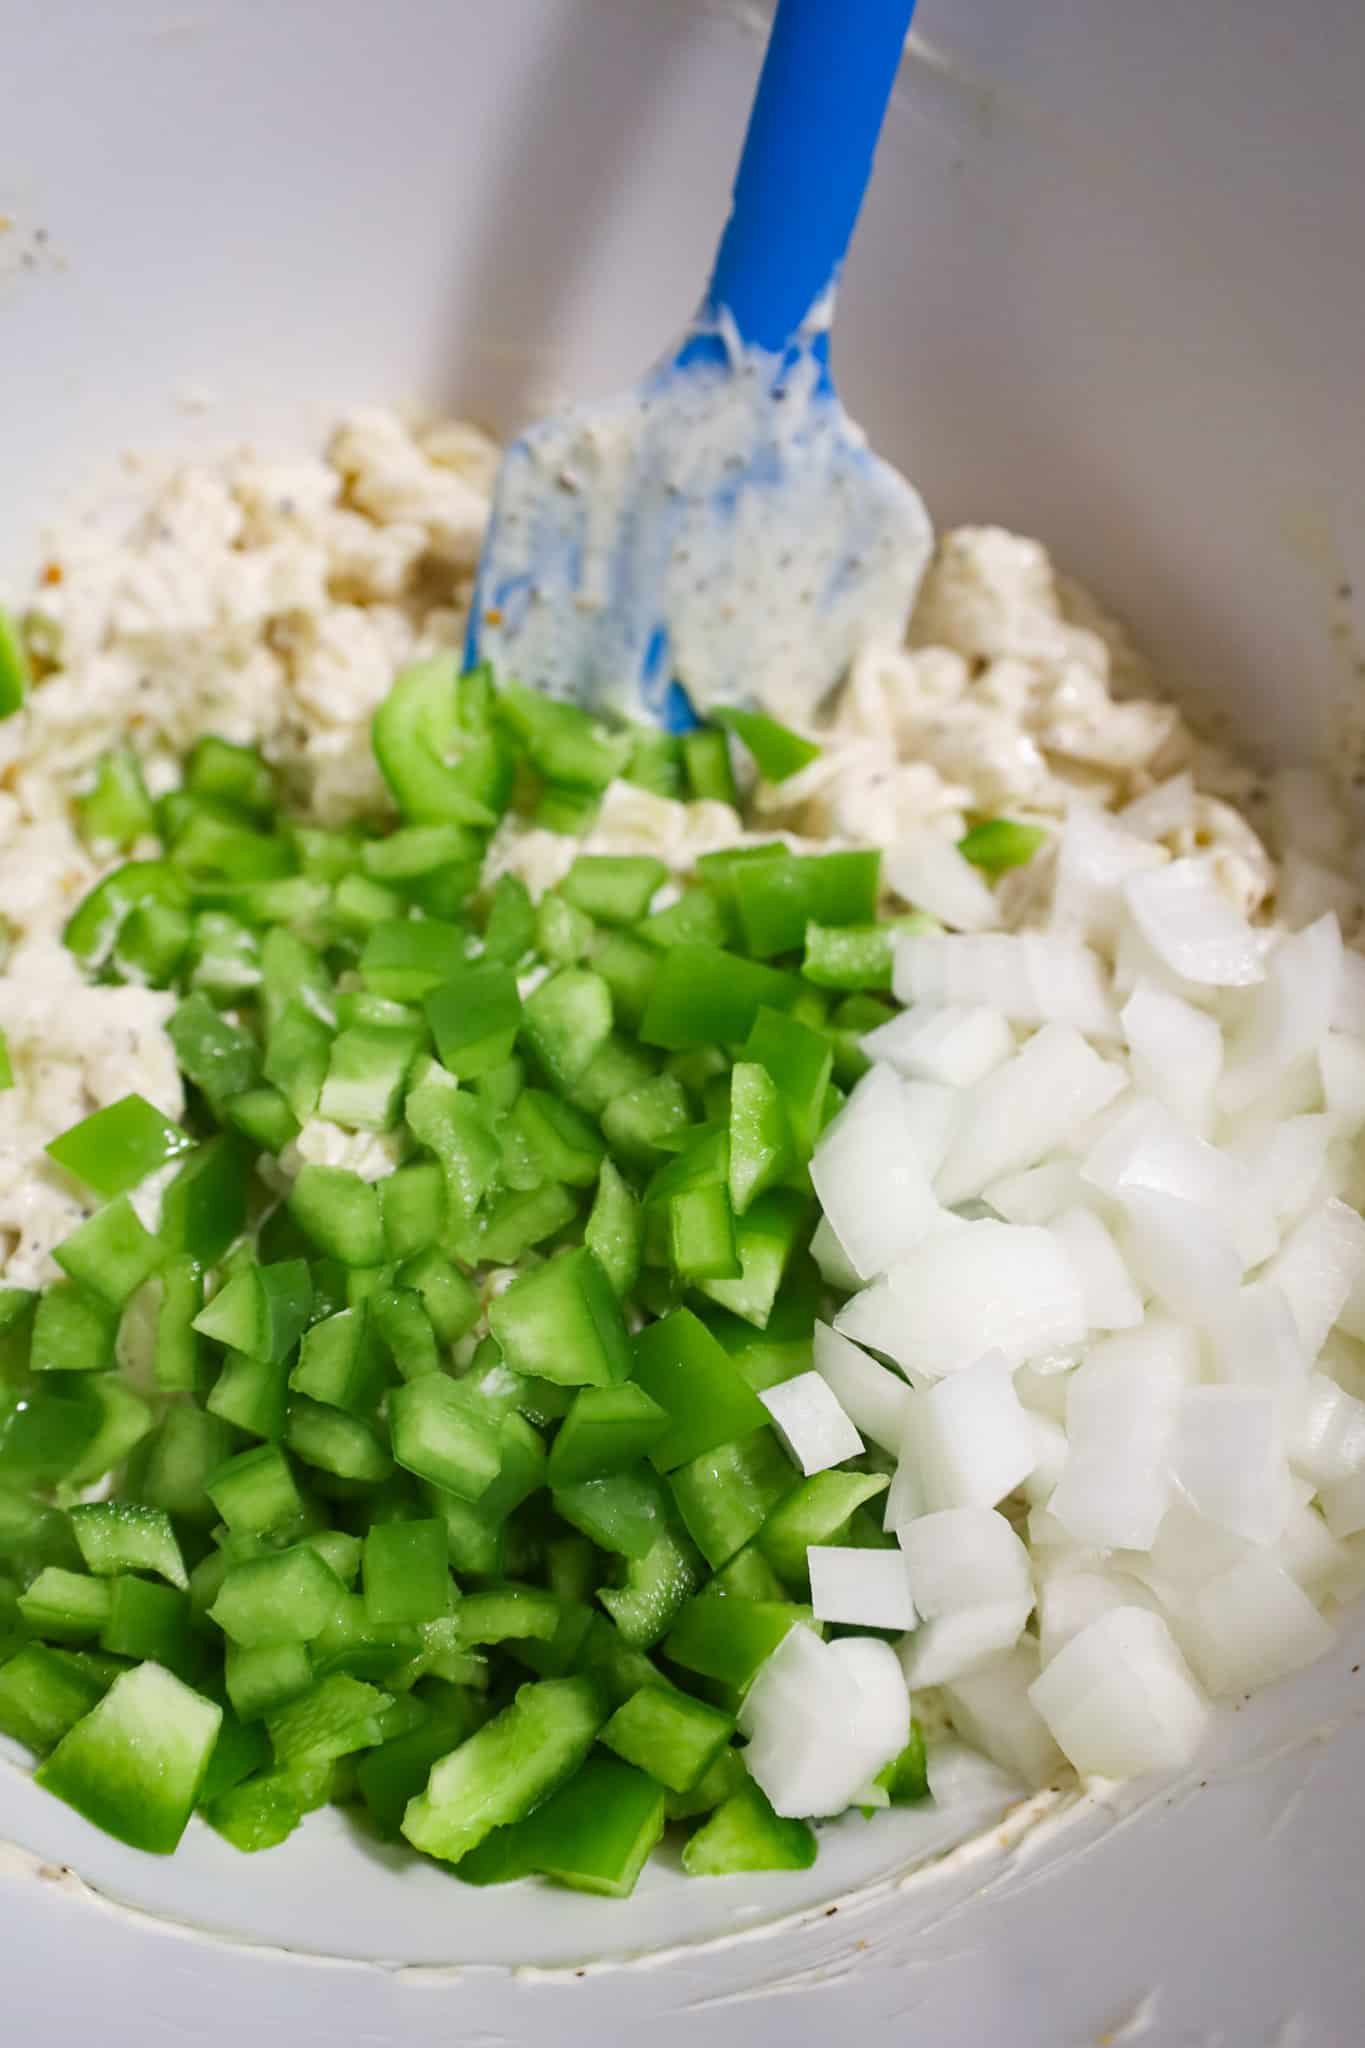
(1249, 1626)
(969, 1438)
(1310, 1548)
(1019, 1114)
(1095, 857)
(1121, 1411)
(1290, 1015)
(1182, 1253)
(972, 1588)
(878, 1197)
(1120, 1700)
(1189, 924)
(1319, 1267)
(1257, 1344)
(875, 1401)
(1327, 1433)
(810, 1422)
(991, 1709)
(1343, 1506)
(821, 1722)
(1111, 1300)
(1341, 1061)
(986, 1287)
(1049, 1457)
(955, 1045)
(1149, 1148)
(1348, 1013)
(1176, 1053)
(1030, 977)
(860, 1588)
(1163, 810)
(1077, 1592)
(1229, 1460)
(1038, 1193)
(836, 1268)
(926, 870)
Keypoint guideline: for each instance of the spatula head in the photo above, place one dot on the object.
(719, 535)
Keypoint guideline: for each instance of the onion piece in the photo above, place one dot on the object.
(813, 1427)
(1049, 1457)
(1229, 1460)
(1111, 1300)
(872, 1187)
(1182, 1253)
(971, 1585)
(926, 870)
(1163, 810)
(1038, 1193)
(836, 1268)
(821, 1722)
(1257, 1344)
(1192, 928)
(1249, 1626)
(1029, 977)
(1095, 857)
(1077, 1591)
(955, 1045)
(1120, 1699)
(1025, 1109)
(985, 1287)
(1343, 1506)
(874, 1399)
(1291, 1013)
(968, 1438)
(1341, 1062)
(860, 1588)
(991, 1709)
(1148, 1148)
(1121, 1412)
(1176, 1053)
(1327, 1433)
(1321, 1267)
(1348, 1012)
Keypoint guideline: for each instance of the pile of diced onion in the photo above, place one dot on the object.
(1093, 1209)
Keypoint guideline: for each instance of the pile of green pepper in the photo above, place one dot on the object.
(447, 1495)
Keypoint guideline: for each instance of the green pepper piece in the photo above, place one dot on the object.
(997, 844)
(217, 1056)
(607, 1429)
(561, 1321)
(474, 1018)
(111, 1254)
(93, 929)
(705, 996)
(745, 1834)
(204, 1207)
(721, 1637)
(504, 1770)
(816, 1510)
(135, 1763)
(566, 1021)
(594, 1835)
(778, 752)
(73, 1331)
(706, 757)
(439, 757)
(725, 1495)
(116, 809)
(674, 1738)
(614, 1230)
(800, 1062)
(767, 1238)
(613, 888)
(15, 673)
(778, 897)
(682, 1367)
(654, 1588)
(120, 1536)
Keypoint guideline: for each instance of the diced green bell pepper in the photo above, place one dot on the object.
(561, 1321)
(744, 1834)
(135, 1763)
(674, 1738)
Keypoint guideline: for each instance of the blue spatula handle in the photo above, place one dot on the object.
(807, 158)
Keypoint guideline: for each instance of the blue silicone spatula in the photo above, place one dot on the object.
(721, 534)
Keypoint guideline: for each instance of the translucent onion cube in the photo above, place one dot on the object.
(1120, 1699)
(991, 1709)
(807, 1416)
(860, 1588)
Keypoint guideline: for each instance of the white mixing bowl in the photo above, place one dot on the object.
(1109, 290)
